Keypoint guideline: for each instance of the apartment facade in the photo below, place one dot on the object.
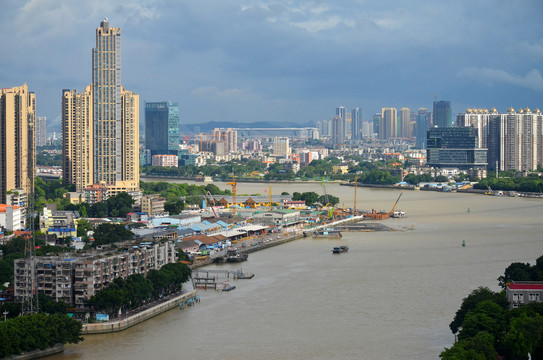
(514, 139)
(74, 280)
(101, 124)
(17, 140)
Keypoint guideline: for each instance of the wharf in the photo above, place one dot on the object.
(364, 227)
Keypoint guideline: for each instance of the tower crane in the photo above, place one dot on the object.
(234, 191)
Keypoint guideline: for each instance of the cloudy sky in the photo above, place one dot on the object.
(283, 60)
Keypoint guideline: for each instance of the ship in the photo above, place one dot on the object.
(340, 249)
(233, 256)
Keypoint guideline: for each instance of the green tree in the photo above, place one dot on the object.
(525, 335)
(174, 207)
(470, 302)
(109, 233)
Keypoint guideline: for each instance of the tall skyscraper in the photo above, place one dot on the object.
(423, 123)
(377, 124)
(338, 131)
(162, 127)
(41, 131)
(405, 118)
(442, 114)
(109, 115)
(356, 124)
(17, 140)
(389, 122)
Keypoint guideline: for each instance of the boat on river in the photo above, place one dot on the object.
(340, 249)
(233, 256)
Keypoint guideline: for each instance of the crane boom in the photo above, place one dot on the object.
(396, 203)
(234, 190)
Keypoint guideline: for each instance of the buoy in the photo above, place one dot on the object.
(463, 243)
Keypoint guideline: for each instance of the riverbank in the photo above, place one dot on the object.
(36, 354)
(138, 317)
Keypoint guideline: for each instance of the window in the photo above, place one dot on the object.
(534, 297)
(518, 298)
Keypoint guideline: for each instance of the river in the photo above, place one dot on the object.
(392, 296)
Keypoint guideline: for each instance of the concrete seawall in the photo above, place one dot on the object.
(123, 324)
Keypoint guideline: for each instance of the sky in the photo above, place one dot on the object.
(283, 60)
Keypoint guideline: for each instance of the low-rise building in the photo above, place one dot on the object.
(153, 204)
(60, 223)
(277, 217)
(165, 160)
(96, 193)
(10, 217)
(520, 293)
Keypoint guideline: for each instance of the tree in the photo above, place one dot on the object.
(487, 316)
(517, 272)
(108, 233)
(174, 207)
(120, 205)
(525, 335)
(470, 303)
(480, 347)
(83, 227)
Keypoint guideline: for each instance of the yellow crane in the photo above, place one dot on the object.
(234, 191)
(394, 207)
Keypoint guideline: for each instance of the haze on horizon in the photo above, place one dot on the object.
(283, 61)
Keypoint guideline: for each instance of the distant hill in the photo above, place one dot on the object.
(188, 129)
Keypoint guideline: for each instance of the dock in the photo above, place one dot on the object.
(204, 278)
(370, 227)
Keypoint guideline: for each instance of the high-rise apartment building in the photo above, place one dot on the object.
(404, 123)
(229, 137)
(514, 139)
(338, 131)
(101, 125)
(281, 146)
(162, 127)
(77, 138)
(17, 140)
(389, 123)
(41, 131)
(356, 124)
(442, 114)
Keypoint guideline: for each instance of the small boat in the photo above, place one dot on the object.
(233, 256)
(340, 249)
(228, 287)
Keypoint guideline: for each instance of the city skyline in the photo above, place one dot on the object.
(287, 62)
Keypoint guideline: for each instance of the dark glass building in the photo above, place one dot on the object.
(162, 127)
(442, 114)
(454, 147)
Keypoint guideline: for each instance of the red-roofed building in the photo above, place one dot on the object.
(520, 293)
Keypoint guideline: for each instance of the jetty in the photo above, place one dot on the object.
(204, 278)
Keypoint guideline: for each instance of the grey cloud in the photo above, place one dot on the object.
(532, 80)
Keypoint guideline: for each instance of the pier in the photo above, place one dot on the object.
(204, 279)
